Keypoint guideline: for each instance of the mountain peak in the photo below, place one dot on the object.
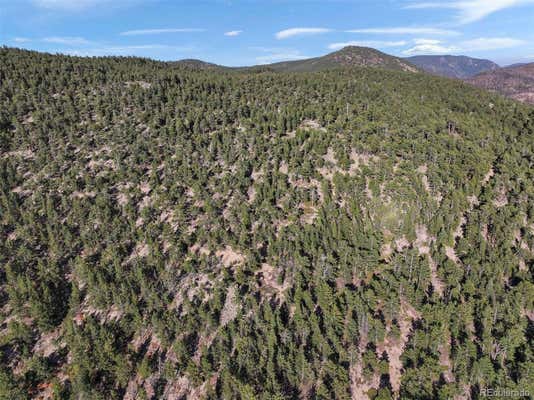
(351, 48)
(366, 56)
(349, 56)
(196, 64)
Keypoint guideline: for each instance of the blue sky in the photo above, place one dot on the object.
(246, 32)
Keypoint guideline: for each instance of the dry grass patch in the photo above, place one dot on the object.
(501, 200)
(271, 283)
(445, 359)
(359, 385)
(141, 84)
(47, 344)
(451, 254)
(83, 195)
(309, 214)
(394, 347)
(25, 154)
(230, 257)
(141, 250)
(231, 307)
(310, 124)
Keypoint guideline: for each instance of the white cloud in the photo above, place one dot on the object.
(159, 31)
(62, 40)
(278, 54)
(471, 10)
(432, 46)
(69, 5)
(368, 43)
(280, 57)
(287, 33)
(66, 40)
(143, 50)
(491, 44)
(78, 46)
(404, 31)
(233, 33)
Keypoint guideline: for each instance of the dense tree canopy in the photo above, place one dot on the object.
(167, 232)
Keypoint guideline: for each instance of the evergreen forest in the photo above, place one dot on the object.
(171, 232)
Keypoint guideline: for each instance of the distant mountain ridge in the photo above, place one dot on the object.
(515, 82)
(460, 67)
(351, 56)
(197, 64)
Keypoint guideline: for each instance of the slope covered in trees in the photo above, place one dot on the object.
(350, 56)
(173, 233)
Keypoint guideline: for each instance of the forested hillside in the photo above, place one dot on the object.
(349, 56)
(173, 233)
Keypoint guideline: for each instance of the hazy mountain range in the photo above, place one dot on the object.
(461, 67)
(346, 57)
(516, 82)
